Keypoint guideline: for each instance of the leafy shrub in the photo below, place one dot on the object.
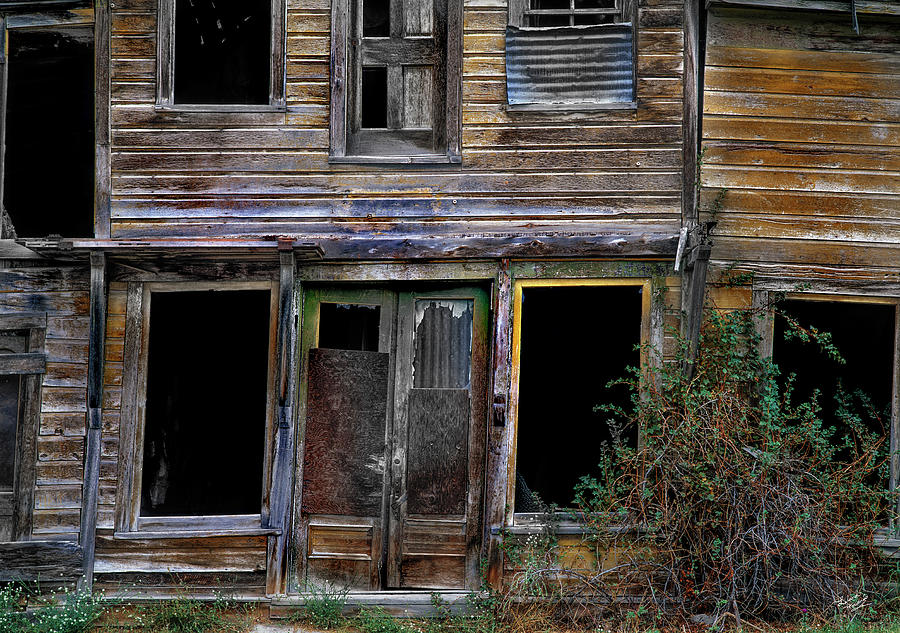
(324, 605)
(187, 615)
(738, 499)
(68, 612)
(377, 620)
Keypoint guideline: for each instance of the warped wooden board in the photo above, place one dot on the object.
(877, 62)
(873, 232)
(801, 82)
(800, 251)
(812, 155)
(583, 181)
(824, 181)
(133, 162)
(839, 108)
(787, 30)
(794, 131)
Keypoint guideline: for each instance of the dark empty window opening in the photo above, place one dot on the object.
(863, 334)
(9, 424)
(376, 20)
(205, 424)
(374, 97)
(349, 326)
(49, 157)
(574, 340)
(572, 12)
(222, 51)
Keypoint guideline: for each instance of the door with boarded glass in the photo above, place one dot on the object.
(393, 404)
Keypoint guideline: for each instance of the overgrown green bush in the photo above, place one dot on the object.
(67, 612)
(738, 499)
(324, 605)
(187, 615)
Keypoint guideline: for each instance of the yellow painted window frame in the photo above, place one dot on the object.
(518, 287)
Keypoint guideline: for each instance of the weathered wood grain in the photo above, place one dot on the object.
(343, 469)
(437, 467)
(44, 561)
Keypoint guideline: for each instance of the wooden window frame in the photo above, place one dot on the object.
(527, 520)
(165, 65)
(343, 94)
(30, 366)
(128, 521)
(767, 343)
(629, 13)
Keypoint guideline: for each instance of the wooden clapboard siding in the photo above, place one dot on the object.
(801, 127)
(60, 291)
(228, 565)
(243, 173)
(112, 384)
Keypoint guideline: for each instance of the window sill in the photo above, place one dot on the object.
(214, 107)
(414, 159)
(132, 536)
(182, 526)
(570, 107)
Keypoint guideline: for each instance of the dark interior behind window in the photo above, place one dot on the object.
(573, 341)
(204, 436)
(222, 51)
(863, 334)
(49, 159)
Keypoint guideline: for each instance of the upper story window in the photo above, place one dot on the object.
(395, 80)
(571, 54)
(214, 53)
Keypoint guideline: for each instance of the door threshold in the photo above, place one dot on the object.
(401, 603)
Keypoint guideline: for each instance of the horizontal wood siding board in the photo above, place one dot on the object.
(38, 560)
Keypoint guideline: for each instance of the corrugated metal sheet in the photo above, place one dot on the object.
(569, 64)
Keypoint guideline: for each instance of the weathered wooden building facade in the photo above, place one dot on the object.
(282, 338)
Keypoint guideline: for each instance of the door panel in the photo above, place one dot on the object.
(393, 446)
(437, 465)
(343, 471)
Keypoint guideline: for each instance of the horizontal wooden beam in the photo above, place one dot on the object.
(11, 364)
(877, 7)
(39, 560)
(48, 17)
(23, 320)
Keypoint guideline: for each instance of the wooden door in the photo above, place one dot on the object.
(393, 439)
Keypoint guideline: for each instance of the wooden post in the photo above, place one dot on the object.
(283, 468)
(101, 119)
(4, 69)
(499, 430)
(97, 334)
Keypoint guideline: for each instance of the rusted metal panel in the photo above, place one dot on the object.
(569, 65)
(343, 471)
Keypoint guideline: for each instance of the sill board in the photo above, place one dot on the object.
(195, 533)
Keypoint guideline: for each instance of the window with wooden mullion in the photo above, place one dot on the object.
(399, 97)
(399, 101)
(572, 12)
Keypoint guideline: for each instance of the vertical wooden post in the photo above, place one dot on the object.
(691, 294)
(101, 119)
(499, 430)
(97, 334)
(283, 467)
(4, 70)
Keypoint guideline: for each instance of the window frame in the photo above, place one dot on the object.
(128, 521)
(528, 520)
(343, 94)
(30, 366)
(767, 342)
(165, 65)
(630, 14)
